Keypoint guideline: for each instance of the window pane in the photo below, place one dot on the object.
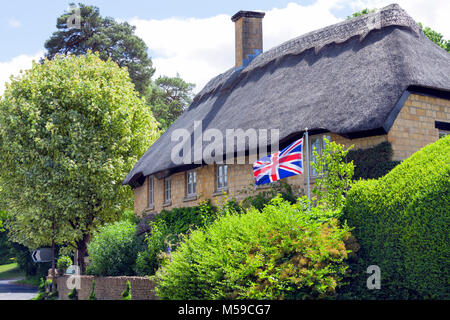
(150, 191)
(167, 189)
(225, 175)
(219, 177)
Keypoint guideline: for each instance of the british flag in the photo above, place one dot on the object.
(285, 163)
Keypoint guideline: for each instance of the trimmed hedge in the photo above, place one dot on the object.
(372, 163)
(402, 223)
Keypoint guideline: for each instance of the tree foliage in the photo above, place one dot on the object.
(109, 38)
(70, 130)
(436, 37)
(334, 175)
(360, 13)
(169, 98)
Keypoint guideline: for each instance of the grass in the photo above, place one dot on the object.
(10, 271)
(32, 281)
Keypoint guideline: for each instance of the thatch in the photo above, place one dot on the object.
(346, 79)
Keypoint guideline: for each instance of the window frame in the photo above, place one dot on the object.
(151, 192)
(224, 185)
(442, 133)
(167, 190)
(191, 193)
(321, 146)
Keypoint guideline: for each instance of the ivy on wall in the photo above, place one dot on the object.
(373, 162)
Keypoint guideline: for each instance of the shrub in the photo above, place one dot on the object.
(92, 295)
(166, 229)
(113, 250)
(73, 295)
(280, 252)
(126, 295)
(372, 163)
(401, 222)
(63, 262)
(263, 198)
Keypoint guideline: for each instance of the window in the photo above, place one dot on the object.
(191, 183)
(222, 176)
(167, 190)
(151, 195)
(316, 143)
(443, 133)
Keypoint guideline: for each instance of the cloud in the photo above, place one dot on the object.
(14, 23)
(14, 66)
(199, 49)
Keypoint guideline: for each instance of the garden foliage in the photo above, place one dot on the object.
(282, 251)
(372, 163)
(113, 250)
(402, 223)
(167, 229)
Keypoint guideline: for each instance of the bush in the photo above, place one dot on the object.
(263, 198)
(73, 295)
(113, 250)
(92, 294)
(372, 163)
(167, 228)
(401, 222)
(280, 252)
(63, 263)
(126, 295)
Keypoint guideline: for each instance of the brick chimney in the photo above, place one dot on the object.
(248, 36)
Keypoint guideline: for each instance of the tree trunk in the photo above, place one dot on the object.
(82, 249)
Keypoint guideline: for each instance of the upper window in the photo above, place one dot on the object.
(151, 194)
(222, 176)
(317, 143)
(191, 183)
(167, 190)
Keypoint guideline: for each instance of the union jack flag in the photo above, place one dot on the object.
(285, 163)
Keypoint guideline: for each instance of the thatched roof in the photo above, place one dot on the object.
(346, 78)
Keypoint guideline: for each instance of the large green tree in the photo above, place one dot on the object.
(168, 99)
(71, 128)
(104, 35)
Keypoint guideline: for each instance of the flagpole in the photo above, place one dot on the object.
(307, 168)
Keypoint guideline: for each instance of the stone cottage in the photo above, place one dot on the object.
(367, 80)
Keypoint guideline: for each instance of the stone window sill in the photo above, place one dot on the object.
(220, 192)
(190, 198)
(149, 208)
(167, 203)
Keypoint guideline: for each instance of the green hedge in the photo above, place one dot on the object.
(281, 252)
(402, 223)
(113, 250)
(372, 163)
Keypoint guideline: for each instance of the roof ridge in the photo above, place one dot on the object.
(391, 15)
